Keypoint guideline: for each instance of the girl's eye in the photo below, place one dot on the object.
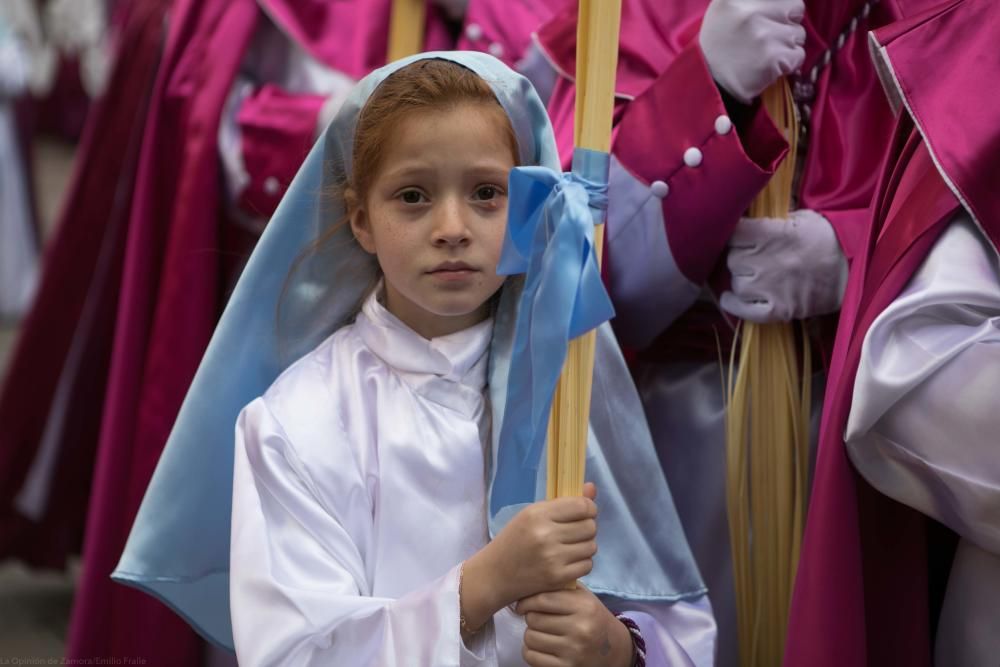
(411, 197)
(487, 192)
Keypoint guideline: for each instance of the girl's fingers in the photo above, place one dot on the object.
(577, 531)
(552, 602)
(537, 659)
(579, 569)
(567, 510)
(579, 552)
(543, 642)
(550, 625)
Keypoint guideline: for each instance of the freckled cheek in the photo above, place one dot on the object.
(399, 238)
(397, 261)
(493, 240)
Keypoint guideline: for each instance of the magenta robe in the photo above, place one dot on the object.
(351, 36)
(177, 263)
(65, 341)
(861, 595)
(176, 181)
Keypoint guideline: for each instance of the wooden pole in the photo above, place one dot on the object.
(596, 63)
(406, 28)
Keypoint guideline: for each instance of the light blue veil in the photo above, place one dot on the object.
(178, 550)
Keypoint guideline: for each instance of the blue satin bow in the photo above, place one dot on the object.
(550, 238)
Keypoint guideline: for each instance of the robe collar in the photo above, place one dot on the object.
(448, 370)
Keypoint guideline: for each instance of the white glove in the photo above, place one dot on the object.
(785, 269)
(748, 44)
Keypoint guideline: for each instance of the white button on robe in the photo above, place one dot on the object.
(723, 125)
(271, 185)
(692, 157)
(473, 31)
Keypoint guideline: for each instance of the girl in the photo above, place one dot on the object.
(360, 533)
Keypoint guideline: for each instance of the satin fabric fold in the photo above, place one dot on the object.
(550, 238)
(933, 348)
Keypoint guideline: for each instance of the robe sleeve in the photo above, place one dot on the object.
(684, 171)
(299, 586)
(924, 420)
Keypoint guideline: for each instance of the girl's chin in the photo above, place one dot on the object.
(457, 308)
(458, 311)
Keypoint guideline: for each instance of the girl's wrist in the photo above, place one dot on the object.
(479, 597)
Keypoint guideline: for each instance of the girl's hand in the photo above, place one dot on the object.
(572, 628)
(545, 547)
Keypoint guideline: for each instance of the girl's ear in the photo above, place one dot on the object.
(360, 224)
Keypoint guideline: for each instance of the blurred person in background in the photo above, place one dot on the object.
(692, 147)
(242, 90)
(24, 65)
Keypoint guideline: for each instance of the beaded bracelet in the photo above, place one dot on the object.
(638, 643)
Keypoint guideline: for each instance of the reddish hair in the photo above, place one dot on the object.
(421, 86)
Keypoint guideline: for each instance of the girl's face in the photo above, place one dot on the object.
(435, 216)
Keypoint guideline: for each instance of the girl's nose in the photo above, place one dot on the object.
(450, 226)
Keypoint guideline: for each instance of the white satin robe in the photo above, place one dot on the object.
(925, 424)
(359, 487)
